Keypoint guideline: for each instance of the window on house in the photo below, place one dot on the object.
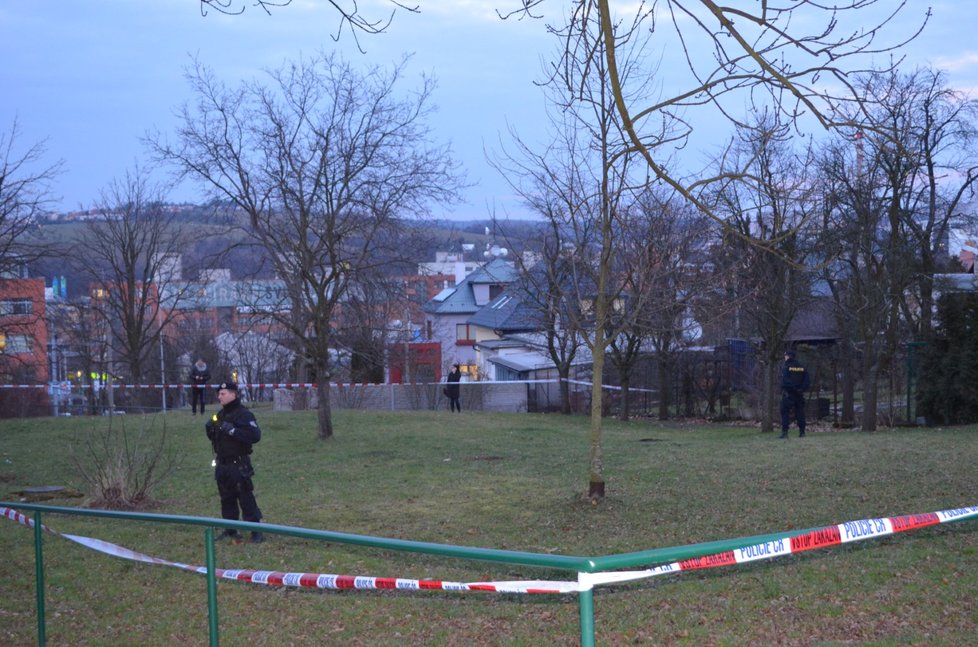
(18, 344)
(464, 334)
(16, 307)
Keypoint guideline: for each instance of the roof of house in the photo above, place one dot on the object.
(533, 355)
(528, 361)
(814, 321)
(507, 313)
(461, 298)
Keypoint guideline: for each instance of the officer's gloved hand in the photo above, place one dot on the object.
(211, 428)
(227, 428)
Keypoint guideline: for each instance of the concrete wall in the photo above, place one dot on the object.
(476, 396)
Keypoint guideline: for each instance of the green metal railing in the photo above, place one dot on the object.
(575, 564)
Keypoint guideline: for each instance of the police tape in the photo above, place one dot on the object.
(847, 532)
(843, 533)
(68, 386)
(307, 580)
(254, 385)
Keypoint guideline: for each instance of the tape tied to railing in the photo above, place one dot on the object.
(849, 531)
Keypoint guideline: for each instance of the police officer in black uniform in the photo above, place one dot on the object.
(232, 432)
(200, 375)
(794, 383)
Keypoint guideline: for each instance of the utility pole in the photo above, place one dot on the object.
(162, 374)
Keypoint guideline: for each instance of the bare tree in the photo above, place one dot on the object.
(772, 220)
(897, 182)
(548, 288)
(366, 324)
(130, 253)
(758, 58)
(582, 183)
(349, 14)
(858, 272)
(795, 58)
(659, 261)
(325, 163)
(25, 184)
(924, 135)
(554, 183)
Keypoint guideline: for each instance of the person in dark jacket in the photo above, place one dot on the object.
(794, 382)
(232, 432)
(200, 376)
(452, 390)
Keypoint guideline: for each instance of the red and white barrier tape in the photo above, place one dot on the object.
(843, 533)
(309, 580)
(256, 385)
(305, 385)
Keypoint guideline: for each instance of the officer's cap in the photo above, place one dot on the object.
(228, 385)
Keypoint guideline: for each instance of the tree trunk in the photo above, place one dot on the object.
(324, 410)
(596, 485)
(300, 401)
(769, 391)
(624, 410)
(848, 386)
(870, 371)
(565, 404)
(665, 386)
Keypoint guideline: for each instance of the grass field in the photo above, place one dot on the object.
(514, 482)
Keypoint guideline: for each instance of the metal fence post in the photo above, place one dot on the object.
(586, 601)
(211, 587)
(39, 578)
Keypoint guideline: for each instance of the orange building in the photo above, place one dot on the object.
(23, 347)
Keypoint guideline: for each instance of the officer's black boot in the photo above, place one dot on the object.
(229, 533)
(801, 433)
(784, 434)
(257, 538)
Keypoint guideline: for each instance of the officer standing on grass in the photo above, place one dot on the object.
(200, 375)
(794, 383)
(232, 432)
(452, 390)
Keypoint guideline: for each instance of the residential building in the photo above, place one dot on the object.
(452, 264)
(447, 314)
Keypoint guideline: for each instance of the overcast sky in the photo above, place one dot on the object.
(93, 76)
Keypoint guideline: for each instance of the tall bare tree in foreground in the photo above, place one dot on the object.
(795, 59)
(779, 58)
(325, 162)
(581, 183)
(732, 60)
(350, 17)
